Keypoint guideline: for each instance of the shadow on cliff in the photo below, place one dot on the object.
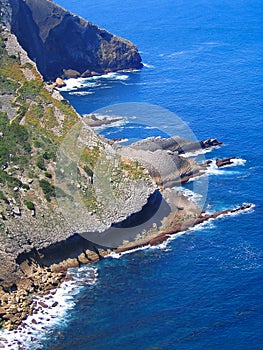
(151, 215)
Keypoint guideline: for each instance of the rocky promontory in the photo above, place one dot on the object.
(63, 44)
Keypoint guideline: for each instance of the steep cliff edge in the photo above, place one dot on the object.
(63, 44)
(53, 168)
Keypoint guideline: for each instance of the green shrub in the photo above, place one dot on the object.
(37, 144)
(27, 147)
(29, 205)
(47, 174)
(48, 189)
(49, 155)
(41, 163)
(3, 197)
(88, 170)
(25, 186)
(15, 137)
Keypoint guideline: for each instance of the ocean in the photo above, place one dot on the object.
(203, 64)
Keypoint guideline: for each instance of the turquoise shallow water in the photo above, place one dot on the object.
(204, 290)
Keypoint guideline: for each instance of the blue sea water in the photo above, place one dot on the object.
(203, 62)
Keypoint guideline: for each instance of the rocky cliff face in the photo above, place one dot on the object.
(45, 198)
(63, 44)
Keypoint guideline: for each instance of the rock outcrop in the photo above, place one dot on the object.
(164, 158)
(225, 161)
(63, 44)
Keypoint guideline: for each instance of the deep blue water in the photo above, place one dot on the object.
(204, 63)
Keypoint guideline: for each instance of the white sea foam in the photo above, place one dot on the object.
(122, 141)
(146, 65)
(214, 170)
(110, 76)
(195, 197)
(91, 82)
(150, 127)
(236, 162)
(77, 83)
(117, 124)
(208, 224)
(212, 43)
(248, 210)
(81, 93)
(198, 152)
(119, 255)
(38, 326)
(177, 53)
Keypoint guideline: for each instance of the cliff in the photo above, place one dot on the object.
(55, 172)
(63, 44)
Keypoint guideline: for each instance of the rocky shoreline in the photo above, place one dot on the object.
(44, 270)
(18, 302)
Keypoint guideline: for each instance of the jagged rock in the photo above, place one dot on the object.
(223, 162)
(211, 142)
(44, 305)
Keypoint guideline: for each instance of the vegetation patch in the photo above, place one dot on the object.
(48, 189)
(30, 205)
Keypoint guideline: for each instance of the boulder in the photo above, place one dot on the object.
(83, 259)
(71, 73)
(60, 83)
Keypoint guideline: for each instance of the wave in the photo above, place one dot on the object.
(132, 84)
(214, 170)
(91, 82)
(177, 53)
(236, 162)
(150, 127)
(195, 197)
(119, 255)
(37, 327)
(110, 76)
(122, 141)
(212, 43)
(81, 93)
(249, 210)
(118, 124)
(199, 152)
(77, 83)
(148, 65)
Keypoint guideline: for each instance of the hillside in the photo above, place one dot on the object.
(34, 121)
